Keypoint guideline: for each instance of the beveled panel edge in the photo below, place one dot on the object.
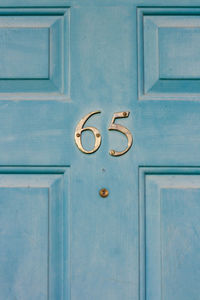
(33, 169)
(31, 11)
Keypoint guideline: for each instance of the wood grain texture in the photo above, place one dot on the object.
(96, 65)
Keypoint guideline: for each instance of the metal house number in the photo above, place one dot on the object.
(117, 127)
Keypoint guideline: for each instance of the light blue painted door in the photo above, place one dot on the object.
(59, 61)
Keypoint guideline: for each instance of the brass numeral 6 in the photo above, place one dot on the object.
(95, 131)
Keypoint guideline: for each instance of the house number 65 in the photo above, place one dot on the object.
(117, 127)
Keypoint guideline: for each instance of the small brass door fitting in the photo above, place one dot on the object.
(104, 193)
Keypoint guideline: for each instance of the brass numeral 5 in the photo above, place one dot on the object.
(122, 129)
(117, 127)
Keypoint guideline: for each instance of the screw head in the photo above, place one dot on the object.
(124, 113)
(112, 152)
(78, 135)
(98, 135)
(104, 193)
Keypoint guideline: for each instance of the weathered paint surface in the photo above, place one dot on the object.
(60, 60)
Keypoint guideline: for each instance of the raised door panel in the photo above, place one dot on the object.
(169, 54)
(33, 234)
(34, 54)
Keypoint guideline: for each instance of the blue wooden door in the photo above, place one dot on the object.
(59, 61)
